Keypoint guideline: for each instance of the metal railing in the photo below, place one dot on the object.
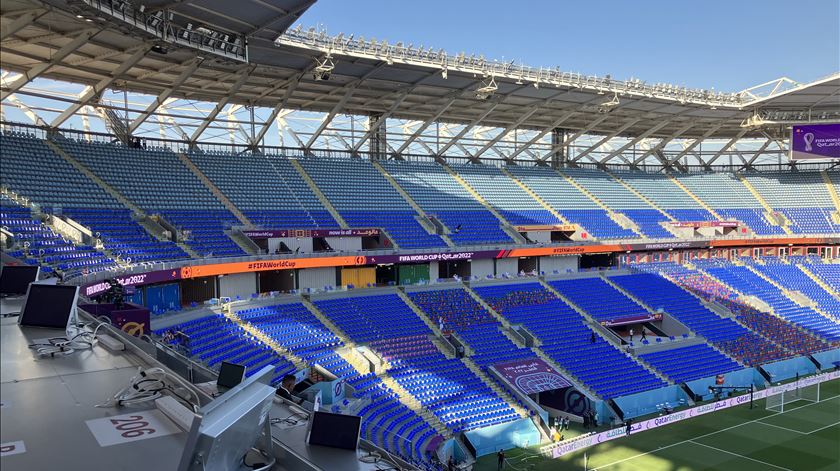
(440, 59)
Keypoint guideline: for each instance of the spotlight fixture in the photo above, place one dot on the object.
(487, 89)
(324, 69)
(608, 105)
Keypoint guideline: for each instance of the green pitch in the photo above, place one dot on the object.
(806, 437)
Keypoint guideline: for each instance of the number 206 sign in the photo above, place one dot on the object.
(131, 427)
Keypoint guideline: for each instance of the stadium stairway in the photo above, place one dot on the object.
(426, 223)
(818, 280)
(503, 223)
(468, 351)
(641, 196)
(434, 327)
(696, 198)
(797, 297)
(214, 189)
(323, 199)
(535, 196)
(611, 340)
(406, 397)
(763, 202)
(299, 362)
(623, 221)
(833, 192)
(75, 163)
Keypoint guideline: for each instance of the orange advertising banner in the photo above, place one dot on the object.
(196, 271)
(547, 228)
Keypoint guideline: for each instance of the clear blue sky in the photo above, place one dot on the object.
(726, 44)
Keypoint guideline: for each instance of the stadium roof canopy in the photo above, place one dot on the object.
(243, 53)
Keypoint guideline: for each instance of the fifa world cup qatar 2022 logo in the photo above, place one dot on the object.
(809, 141)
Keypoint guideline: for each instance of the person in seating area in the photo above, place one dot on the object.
(287, 385)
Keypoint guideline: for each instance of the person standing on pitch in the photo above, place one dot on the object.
(501, 456)
(629, 426)
(631, 334)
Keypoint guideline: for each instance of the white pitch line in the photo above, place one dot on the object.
(738, 455)
(822, 428)
(779, 426)
(711, 433)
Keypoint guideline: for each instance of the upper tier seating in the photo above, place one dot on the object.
(31, 169)
(266, 188)
(612, 193)
(689, 363)
(364, 198)
(568, 341)
(828, 273)
(801, 196)
(444, 386)
(442, 197)
(175, 192)
(659, 293)
(661, 191)
(512, 202)
(573, 205)
(725, 193)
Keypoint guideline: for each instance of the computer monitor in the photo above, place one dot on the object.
(230, 374)
(227, 428)
(14, 279)
(49, 306)
(335, 430)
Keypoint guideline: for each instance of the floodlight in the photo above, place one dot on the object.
(487, 89)
(324, 68)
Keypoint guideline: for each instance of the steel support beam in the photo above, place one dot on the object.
(606, 138)
(664, 142)
(380, 120)
(726, 147)
(541, 134)
(694, 144)
(428, 122)
(102, 85)
(243, 77)
(576, 135)
(38, 69)
(505, 132)
(22, 22)
(634, 141)
(467, 128)
(191, 67)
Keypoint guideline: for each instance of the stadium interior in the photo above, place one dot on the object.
(461, 252)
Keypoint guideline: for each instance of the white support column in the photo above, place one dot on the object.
(102, 85)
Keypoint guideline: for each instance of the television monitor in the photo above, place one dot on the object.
(335, 430)
(230, 374)
(14, 279)
(226, 429)
(49, 306)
